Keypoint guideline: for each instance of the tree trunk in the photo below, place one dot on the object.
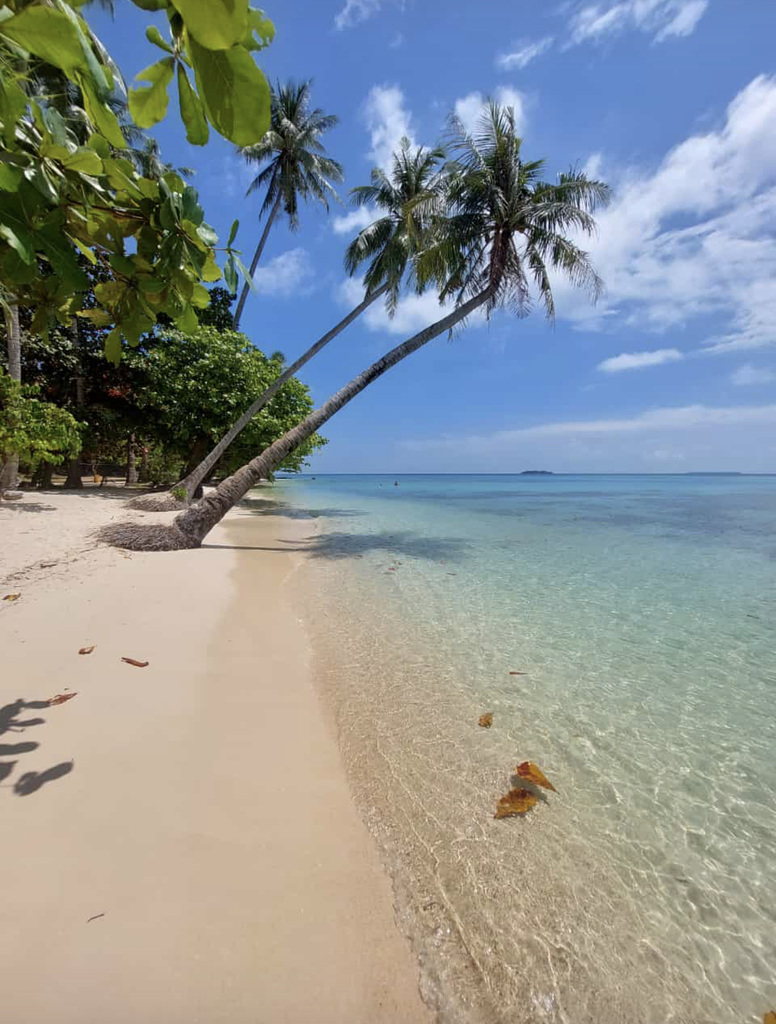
(144, 471)
(73, 479)
(254, 263)
(43, 476)
(9, 471)
(131, 464)
(195, 523)
(196, 477)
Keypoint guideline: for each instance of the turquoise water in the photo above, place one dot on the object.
(642, 610)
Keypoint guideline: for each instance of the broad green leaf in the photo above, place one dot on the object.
(207, 234)
(234, 91)
(148, 106)
(101, 116)
(262, 26)
(192, 114)
(233, 232)
(108, 293)
(153, 35)
(61, 255)
(100, 76)
(190, 208)
(211, 271)
(10, 178)
(215, 24)
(200, 296)
(122, 265)
(99, 317)
(187, 322)
(113, 346)
(151, 285)
(150, 5)
(230, 275)
(84, 249)
(55, 125)
(99, 145)
(48, 35)
(245, 273)
(13, 103)
(149, 188)
(134, 328)
(84, 160)
(19, 239)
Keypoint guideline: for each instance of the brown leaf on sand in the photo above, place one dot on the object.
(61, 698)
(532, 773)
(86, 650)
(135, 662)
(518, 673)
(769, 1017)
(486, 720)
(12, 597)
(516, 801)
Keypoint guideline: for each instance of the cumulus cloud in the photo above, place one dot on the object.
(662, 19)
(412, 314)
(351, 223)
(639, 360)
(388, 121)
(469, 108)
(721, 260)
(354, 12)
(525, 51)
(748, 374)
(288, 274)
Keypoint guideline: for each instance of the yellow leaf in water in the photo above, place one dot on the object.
(486, 720)
(532, 773)
(516, 801)
(12, 597)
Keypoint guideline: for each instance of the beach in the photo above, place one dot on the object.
(179, 840)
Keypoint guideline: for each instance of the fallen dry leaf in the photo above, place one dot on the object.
(532, 773)
(12, 597)
(135, 662)
(769, 1017)
(61, 698)
(516, 801)
(518, 673)
(86, 650)
(486, 720)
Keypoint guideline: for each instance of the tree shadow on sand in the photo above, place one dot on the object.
(337, 545)
(10, 722)
(266, 507)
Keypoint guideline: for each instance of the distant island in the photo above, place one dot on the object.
(730, 472)
(537, 472)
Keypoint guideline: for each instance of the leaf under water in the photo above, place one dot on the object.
(86, 650)
(486, 720)
(513, 673)
(135, 662)
(61, 698)
(516, 801)
(533, 773)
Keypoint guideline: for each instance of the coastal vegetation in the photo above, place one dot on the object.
(106, 257)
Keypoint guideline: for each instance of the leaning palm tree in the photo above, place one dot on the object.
(384, 248)
(294, 164)
(502, 230)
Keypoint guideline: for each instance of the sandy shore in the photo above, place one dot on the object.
(179, 843)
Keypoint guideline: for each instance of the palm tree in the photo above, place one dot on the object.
(385, 246)
(294, 164)
(502, 227)
(9, 468)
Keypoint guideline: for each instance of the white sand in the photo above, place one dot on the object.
(205, 815)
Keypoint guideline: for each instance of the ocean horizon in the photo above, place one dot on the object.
(621, 630)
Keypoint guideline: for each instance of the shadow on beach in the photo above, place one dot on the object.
(336, 545)
(267, 507)
(10, 722)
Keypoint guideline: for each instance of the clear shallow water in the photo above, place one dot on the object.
(643, 612)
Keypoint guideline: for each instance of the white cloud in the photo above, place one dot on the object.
(662, 19)
(413, 312)
(470, 108)
(290, 273)
(522, 56)
(397, 41)
(697, 236)
(640, 360)
(356, 11)
(353, 222)
(388, 121)
(748, 374)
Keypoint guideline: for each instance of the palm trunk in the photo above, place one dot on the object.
(73, 478)
(131, 461)
(9, 471)
(195, 523)
(203, 470)
(254, 263)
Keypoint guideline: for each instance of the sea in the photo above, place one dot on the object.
(621, 630)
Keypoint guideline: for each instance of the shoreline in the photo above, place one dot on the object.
(201, 859)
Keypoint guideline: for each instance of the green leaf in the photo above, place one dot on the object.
(192, 114)
(84, 160)
(48, 35)
(150, 5)
(61, 255)
(200, 297)
(262, 26)
(207, 234)
(233, 233)
(19, 239)
(84, 249)
(234, 91)
(55, 125)
(211, 271)
(108, 293)
(10, 178)
(99, 317)
(101, 116)
(122, 265)
(190, 208)
(187, 322)
(148, 106)
(13, 104)
(215, 24)
(230, 275)
(99, 145)
(245, 273)
(135, 328)
(113, 346)
(151, 285)
(153, 35)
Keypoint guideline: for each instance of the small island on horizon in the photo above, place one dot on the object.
(537, 472)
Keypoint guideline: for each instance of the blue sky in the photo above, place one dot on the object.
(671, 101)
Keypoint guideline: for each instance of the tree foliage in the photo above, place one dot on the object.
(67, 187)
(34, 430)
